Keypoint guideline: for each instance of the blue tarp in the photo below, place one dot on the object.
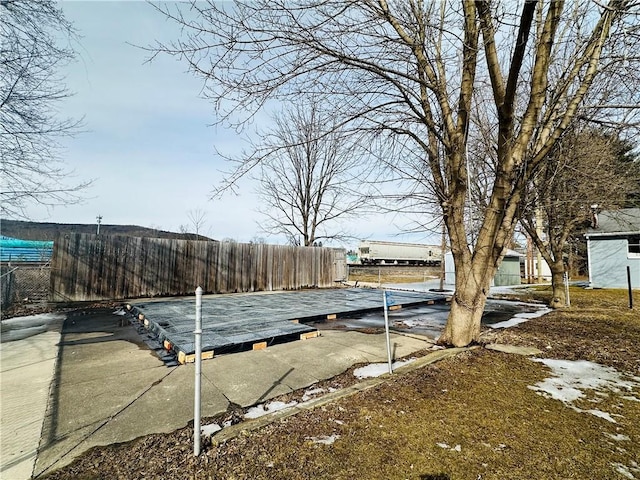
(17, 250)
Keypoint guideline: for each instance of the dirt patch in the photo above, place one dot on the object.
(468, 417)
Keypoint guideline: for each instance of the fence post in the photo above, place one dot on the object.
(198, 361)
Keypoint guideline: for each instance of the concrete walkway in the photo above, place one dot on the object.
(27, 367)
(108, 387)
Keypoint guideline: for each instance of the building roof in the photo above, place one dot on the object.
(17, 250)
(625, 221)
(513, 253)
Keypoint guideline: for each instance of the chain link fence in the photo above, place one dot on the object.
(24, 287)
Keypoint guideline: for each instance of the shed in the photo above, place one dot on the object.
(508, 272)
(613, 244)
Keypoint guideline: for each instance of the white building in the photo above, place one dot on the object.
(613, 247)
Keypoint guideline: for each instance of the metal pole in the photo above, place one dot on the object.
(566, 289)
(386, 330)
(443, 248)
(539, 234)
(198, 344)
(529, 260)
(629, 285)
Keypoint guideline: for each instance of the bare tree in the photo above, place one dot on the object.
(258, 240)
(197, 223)
(198, 220)
(584, 169)
(307, 166)
(32, 53)
(407, 74)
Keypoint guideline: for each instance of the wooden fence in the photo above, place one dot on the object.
(91, 267)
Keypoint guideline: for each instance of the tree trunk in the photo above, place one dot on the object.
(466, 327)
(558, 298)
(469, 299)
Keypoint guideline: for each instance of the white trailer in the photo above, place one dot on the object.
(396, 253)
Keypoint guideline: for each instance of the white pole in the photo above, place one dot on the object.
(386, 329)
(198, 344)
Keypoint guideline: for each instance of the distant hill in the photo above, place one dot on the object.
(49, 231)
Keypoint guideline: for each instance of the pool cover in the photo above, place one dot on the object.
(239, 321)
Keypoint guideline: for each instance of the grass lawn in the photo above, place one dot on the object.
(472, 416)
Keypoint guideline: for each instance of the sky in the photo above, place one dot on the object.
(148, 140)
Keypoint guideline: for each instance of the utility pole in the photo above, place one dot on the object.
(99, 219)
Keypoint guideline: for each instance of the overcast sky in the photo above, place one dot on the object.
(148, 142)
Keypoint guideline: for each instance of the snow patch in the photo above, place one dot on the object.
(624, 470)
(260, 410)
(11, 335)
(120, 312)
(377, 369)
(19, 328)
(571, 378)
(208, 430)
(521, 317)
(457, 448)
(601, 414)
(504, 290)
(311, 393)
(422, 322)
(618, 437)
(324, 439)
(33, 320)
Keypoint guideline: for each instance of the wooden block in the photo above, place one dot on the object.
(191, 358)
(167, 345)
(146, 323)
(332, 316)
(141, 316)
(306, 336)
(260, 346)
(128, 307)
(182, 358)
(395, 307)
(295, 321)
(430, 302)
(208, 355)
